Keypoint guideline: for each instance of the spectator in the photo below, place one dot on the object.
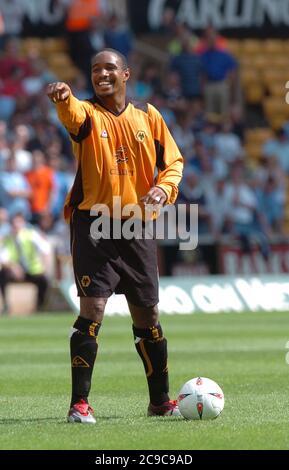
(11, 61)
(272, 204)
(181, 32)
(183, 135)
(5, 150)
(278, 147)
(151, 76)
(22, 258)
(23, 157)
(172, 91)
(161, 104)
(14, 190)
(96, 34)
(189, 68)
(62, 182)
(78, 24)
(4, 223)
(38, 77)
(80, 88)
(2, 31)
(228, 145)
(168, 23)
(40, 179)
(246, 221)
(220, 69)
(117, 36)
(210, 36)
(192, 192)
(218, 206)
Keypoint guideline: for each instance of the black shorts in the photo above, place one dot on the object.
(104, 266)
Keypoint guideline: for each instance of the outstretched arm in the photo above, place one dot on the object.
(70, 110)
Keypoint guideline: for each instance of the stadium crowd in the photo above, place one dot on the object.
(198, 92)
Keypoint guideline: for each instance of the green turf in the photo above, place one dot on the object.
(244, 353)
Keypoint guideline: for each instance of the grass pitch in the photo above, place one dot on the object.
(244, 353)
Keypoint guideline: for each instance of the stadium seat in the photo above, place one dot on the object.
(254, 92)
(251, 46)
(277, 89)
(234, 46)
(65, 73)
(273, 105)
(29, 44)
(260, 62)
(286, 48)
(52, 45)
(246, 62)
(249, 75)
(277, 121)
(253, 151)
(273, 75)
(273, 46)
(259, 135)
(59, 59)
(279, 62)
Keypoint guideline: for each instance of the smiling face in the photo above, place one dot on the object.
(108, 74)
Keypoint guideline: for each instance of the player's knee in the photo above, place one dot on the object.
(144, 317)
(92, 308)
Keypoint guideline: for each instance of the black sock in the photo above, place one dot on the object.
(83, 351)
(152, 348)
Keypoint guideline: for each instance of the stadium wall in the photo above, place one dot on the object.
(235, 18)
(211, 295)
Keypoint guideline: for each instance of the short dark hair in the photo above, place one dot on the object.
(121, 57)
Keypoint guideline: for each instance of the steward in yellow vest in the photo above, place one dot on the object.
(22, 254)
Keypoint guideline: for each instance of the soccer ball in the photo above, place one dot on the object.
(201, 398)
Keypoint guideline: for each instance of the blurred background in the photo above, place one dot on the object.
(217, 75)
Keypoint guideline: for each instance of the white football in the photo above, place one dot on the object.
(201, 398)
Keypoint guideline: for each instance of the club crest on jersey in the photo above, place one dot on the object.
(121, 155)
(140, 136)
(104, 134)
